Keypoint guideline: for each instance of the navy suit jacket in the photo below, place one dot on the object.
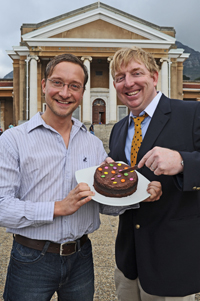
(165, 251)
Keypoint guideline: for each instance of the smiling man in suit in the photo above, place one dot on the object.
(157, 246)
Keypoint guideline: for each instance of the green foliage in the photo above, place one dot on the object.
(186, 77)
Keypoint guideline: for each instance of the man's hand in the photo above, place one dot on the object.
(155, 190)
(77, 197)
(162, 161)
(108, 160)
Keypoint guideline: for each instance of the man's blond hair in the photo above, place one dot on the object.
(125, 55)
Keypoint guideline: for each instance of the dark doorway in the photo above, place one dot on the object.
(99, 111)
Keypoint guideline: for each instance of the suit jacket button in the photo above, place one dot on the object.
(137, 226)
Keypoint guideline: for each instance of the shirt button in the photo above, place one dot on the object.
(137, 226)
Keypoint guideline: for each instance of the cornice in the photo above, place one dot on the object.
(59, 42)
(98, 14)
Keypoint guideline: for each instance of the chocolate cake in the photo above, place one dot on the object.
(109, 182)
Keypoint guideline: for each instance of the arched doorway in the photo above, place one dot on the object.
(99, 111)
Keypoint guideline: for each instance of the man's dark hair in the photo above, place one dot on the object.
(66, 57)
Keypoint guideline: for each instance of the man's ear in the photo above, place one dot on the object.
(155, 78)
(43, 85)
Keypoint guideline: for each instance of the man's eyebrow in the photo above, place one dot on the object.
(132, 70)
(73, 81)
(119, 73)
(56, 78)
(135, 69)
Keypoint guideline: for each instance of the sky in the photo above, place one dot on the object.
(183, 15)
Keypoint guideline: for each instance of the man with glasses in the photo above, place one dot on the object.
(40, 201)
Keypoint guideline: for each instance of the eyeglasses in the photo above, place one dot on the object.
(59, 85)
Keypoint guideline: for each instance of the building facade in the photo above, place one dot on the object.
(191, 90)
(93, 33)
(6, 103)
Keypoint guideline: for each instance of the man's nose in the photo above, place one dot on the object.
(65, 92)
(129, 80)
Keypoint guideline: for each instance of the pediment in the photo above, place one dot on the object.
(98, 23)
(99, 29)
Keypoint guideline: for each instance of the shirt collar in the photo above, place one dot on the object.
(150, 109)
(37, 121)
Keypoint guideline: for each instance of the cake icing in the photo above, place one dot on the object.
(109, 182)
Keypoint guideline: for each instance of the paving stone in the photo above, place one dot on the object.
(103, 241)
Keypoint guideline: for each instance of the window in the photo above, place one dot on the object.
(99, 73)
(44, 105)
(99, 102)
(122, 112)
(76, 113)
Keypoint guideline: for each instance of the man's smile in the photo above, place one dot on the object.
(132, 93)
(63, 102)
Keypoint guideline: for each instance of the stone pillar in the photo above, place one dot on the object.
(165, 77)
(39, 90)
(27, 88)
(86, 97)
(33, 86)
(159, 86)
(2, 114)
(16, 91)
(112, 97)
(174, 83)
(180, 80)
(22, 89)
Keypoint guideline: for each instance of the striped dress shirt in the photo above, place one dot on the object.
(36, 169)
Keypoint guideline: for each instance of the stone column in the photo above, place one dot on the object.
(22, 88)
(27, 87)
(2, 115)
(16, 91)
(165, 77)
(86, 97)
(180, 80)
(174, 83)
(39, 90)
(159, 86)
(112, 97)
(33, 86)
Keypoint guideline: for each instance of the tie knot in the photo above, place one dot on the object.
(138, 120)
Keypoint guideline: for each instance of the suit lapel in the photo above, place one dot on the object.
(158, 122)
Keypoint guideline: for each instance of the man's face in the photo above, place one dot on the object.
(63, 101)
(135, 86)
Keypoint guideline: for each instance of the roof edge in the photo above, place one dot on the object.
(94, 6)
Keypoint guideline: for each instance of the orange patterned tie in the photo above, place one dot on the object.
(137, 138)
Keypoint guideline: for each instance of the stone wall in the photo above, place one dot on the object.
(102, 131)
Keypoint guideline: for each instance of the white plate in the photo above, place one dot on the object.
(87, 176)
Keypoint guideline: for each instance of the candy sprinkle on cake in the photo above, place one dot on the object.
(109, 182)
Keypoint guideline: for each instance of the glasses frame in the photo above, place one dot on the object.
(68, 85)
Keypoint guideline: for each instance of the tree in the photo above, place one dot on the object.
(186, 77)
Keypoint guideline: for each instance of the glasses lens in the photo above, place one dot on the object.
(57, 83)
(74, 87)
